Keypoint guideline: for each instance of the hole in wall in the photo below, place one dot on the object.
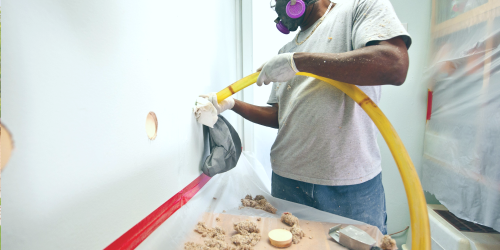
(151, 125)
(7, 145)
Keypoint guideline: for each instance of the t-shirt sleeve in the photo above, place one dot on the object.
(376, 20)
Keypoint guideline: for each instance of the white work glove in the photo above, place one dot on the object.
(205, 112)
(226, 104)
(280, 68)
(206, 108)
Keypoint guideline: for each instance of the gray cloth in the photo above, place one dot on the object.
(225, 148)
(325, 137)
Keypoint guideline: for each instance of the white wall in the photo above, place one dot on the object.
(79, 79)
(267, 41)
(405, 106)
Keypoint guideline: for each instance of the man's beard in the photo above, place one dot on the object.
(290, 23)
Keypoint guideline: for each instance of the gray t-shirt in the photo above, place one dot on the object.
(324, 137)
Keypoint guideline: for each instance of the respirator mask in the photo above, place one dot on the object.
(290, 14)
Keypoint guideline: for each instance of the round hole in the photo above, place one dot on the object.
(7, 145)
(151, 125)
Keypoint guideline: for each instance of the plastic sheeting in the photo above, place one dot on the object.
(448, 9)
(248, 177)
(461, 163)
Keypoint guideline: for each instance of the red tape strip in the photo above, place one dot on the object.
(429, 104)
(138, 233)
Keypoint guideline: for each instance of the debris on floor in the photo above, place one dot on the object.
(246, 227)
(297, 232)
(216, 244)
(194, 246)
(289, 219)
(248, 239)
(248, 235)
(388, 243)
(216, 233)
(258, 203)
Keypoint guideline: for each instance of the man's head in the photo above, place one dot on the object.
(290, 23)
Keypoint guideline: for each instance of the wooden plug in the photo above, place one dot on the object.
(280, 238)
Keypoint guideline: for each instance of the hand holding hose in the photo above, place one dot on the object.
(281, 68)
(226, 104)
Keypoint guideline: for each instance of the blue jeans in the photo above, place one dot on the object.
(363, 202)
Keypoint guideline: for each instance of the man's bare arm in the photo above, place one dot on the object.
(379, 63)
(267, 116)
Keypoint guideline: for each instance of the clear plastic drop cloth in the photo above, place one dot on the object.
(461, 162)
(248, 177)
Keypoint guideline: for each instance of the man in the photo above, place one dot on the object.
(326, 154)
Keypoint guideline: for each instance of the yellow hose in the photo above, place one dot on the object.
(420, 232)
(237, 86)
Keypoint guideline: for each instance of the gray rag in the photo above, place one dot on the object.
(225, 148)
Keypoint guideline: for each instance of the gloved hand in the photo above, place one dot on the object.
(226, 104)
(280, 68)
(205, 112)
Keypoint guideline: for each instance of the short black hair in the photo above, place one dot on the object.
(308, 2)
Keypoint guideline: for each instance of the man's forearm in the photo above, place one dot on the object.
(267, 116)
(381, 64)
